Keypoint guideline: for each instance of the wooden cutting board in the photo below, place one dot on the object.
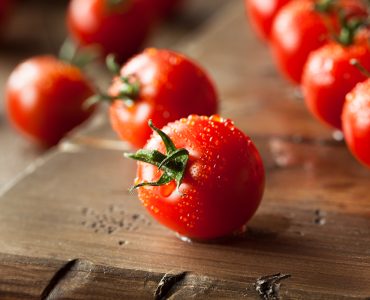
(69, 229)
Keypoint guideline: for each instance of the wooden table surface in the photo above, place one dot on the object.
(69, 229)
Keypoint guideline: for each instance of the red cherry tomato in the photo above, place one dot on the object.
(44, 98)
(261, 14)
(299, 28)
(329, 76)
(218, 171)
(170, 87)
(356, 121)
(119, 28)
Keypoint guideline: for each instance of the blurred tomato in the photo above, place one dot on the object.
(261, 14)
(328, 76)
(356, 121)
(116, 27)
(160, 85)
(300, 27)
(45, 98)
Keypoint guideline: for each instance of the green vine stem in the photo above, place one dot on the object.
(173, 163)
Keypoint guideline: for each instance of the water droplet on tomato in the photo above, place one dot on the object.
(167, 189)
(216, 118)
(229, 123)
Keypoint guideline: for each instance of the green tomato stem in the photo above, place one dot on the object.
(173, 163)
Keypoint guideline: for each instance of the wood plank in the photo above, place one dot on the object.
(96, 219)
(71, 218)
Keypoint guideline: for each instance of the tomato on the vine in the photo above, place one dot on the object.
(161, 85)
(356, 121)
(301, 27)
(201, 177)
(329, 76)
(261, 14)
(115, 27)
(45, 98)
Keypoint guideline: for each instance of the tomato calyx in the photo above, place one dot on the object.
(173, 163)
(349, 29)
(128, 93)
(324, 6)
(129, 90)
(129, 87)
(348, 26)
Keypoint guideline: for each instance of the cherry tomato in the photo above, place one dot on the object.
(356, 121)
(329, 76)
(299, 28)
(261, 14)
(44, 98)
(118, 28)
(170, 86)
(201, 177)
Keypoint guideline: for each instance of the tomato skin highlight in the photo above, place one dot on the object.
(120, 30)
(171, 87)
(356, 122)
(329, 76)
(223, 184)
(44, 98)
(261, 14)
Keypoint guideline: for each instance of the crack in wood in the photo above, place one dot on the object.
(57, 278)
(166, 284)
(268, 287)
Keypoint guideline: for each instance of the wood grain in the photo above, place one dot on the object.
(70, 230)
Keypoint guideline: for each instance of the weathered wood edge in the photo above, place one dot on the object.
(82, 279)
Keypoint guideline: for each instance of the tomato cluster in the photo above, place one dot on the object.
(314, 43)
(200, 176)
(46, 95)
(169, 87)
(188, 176)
